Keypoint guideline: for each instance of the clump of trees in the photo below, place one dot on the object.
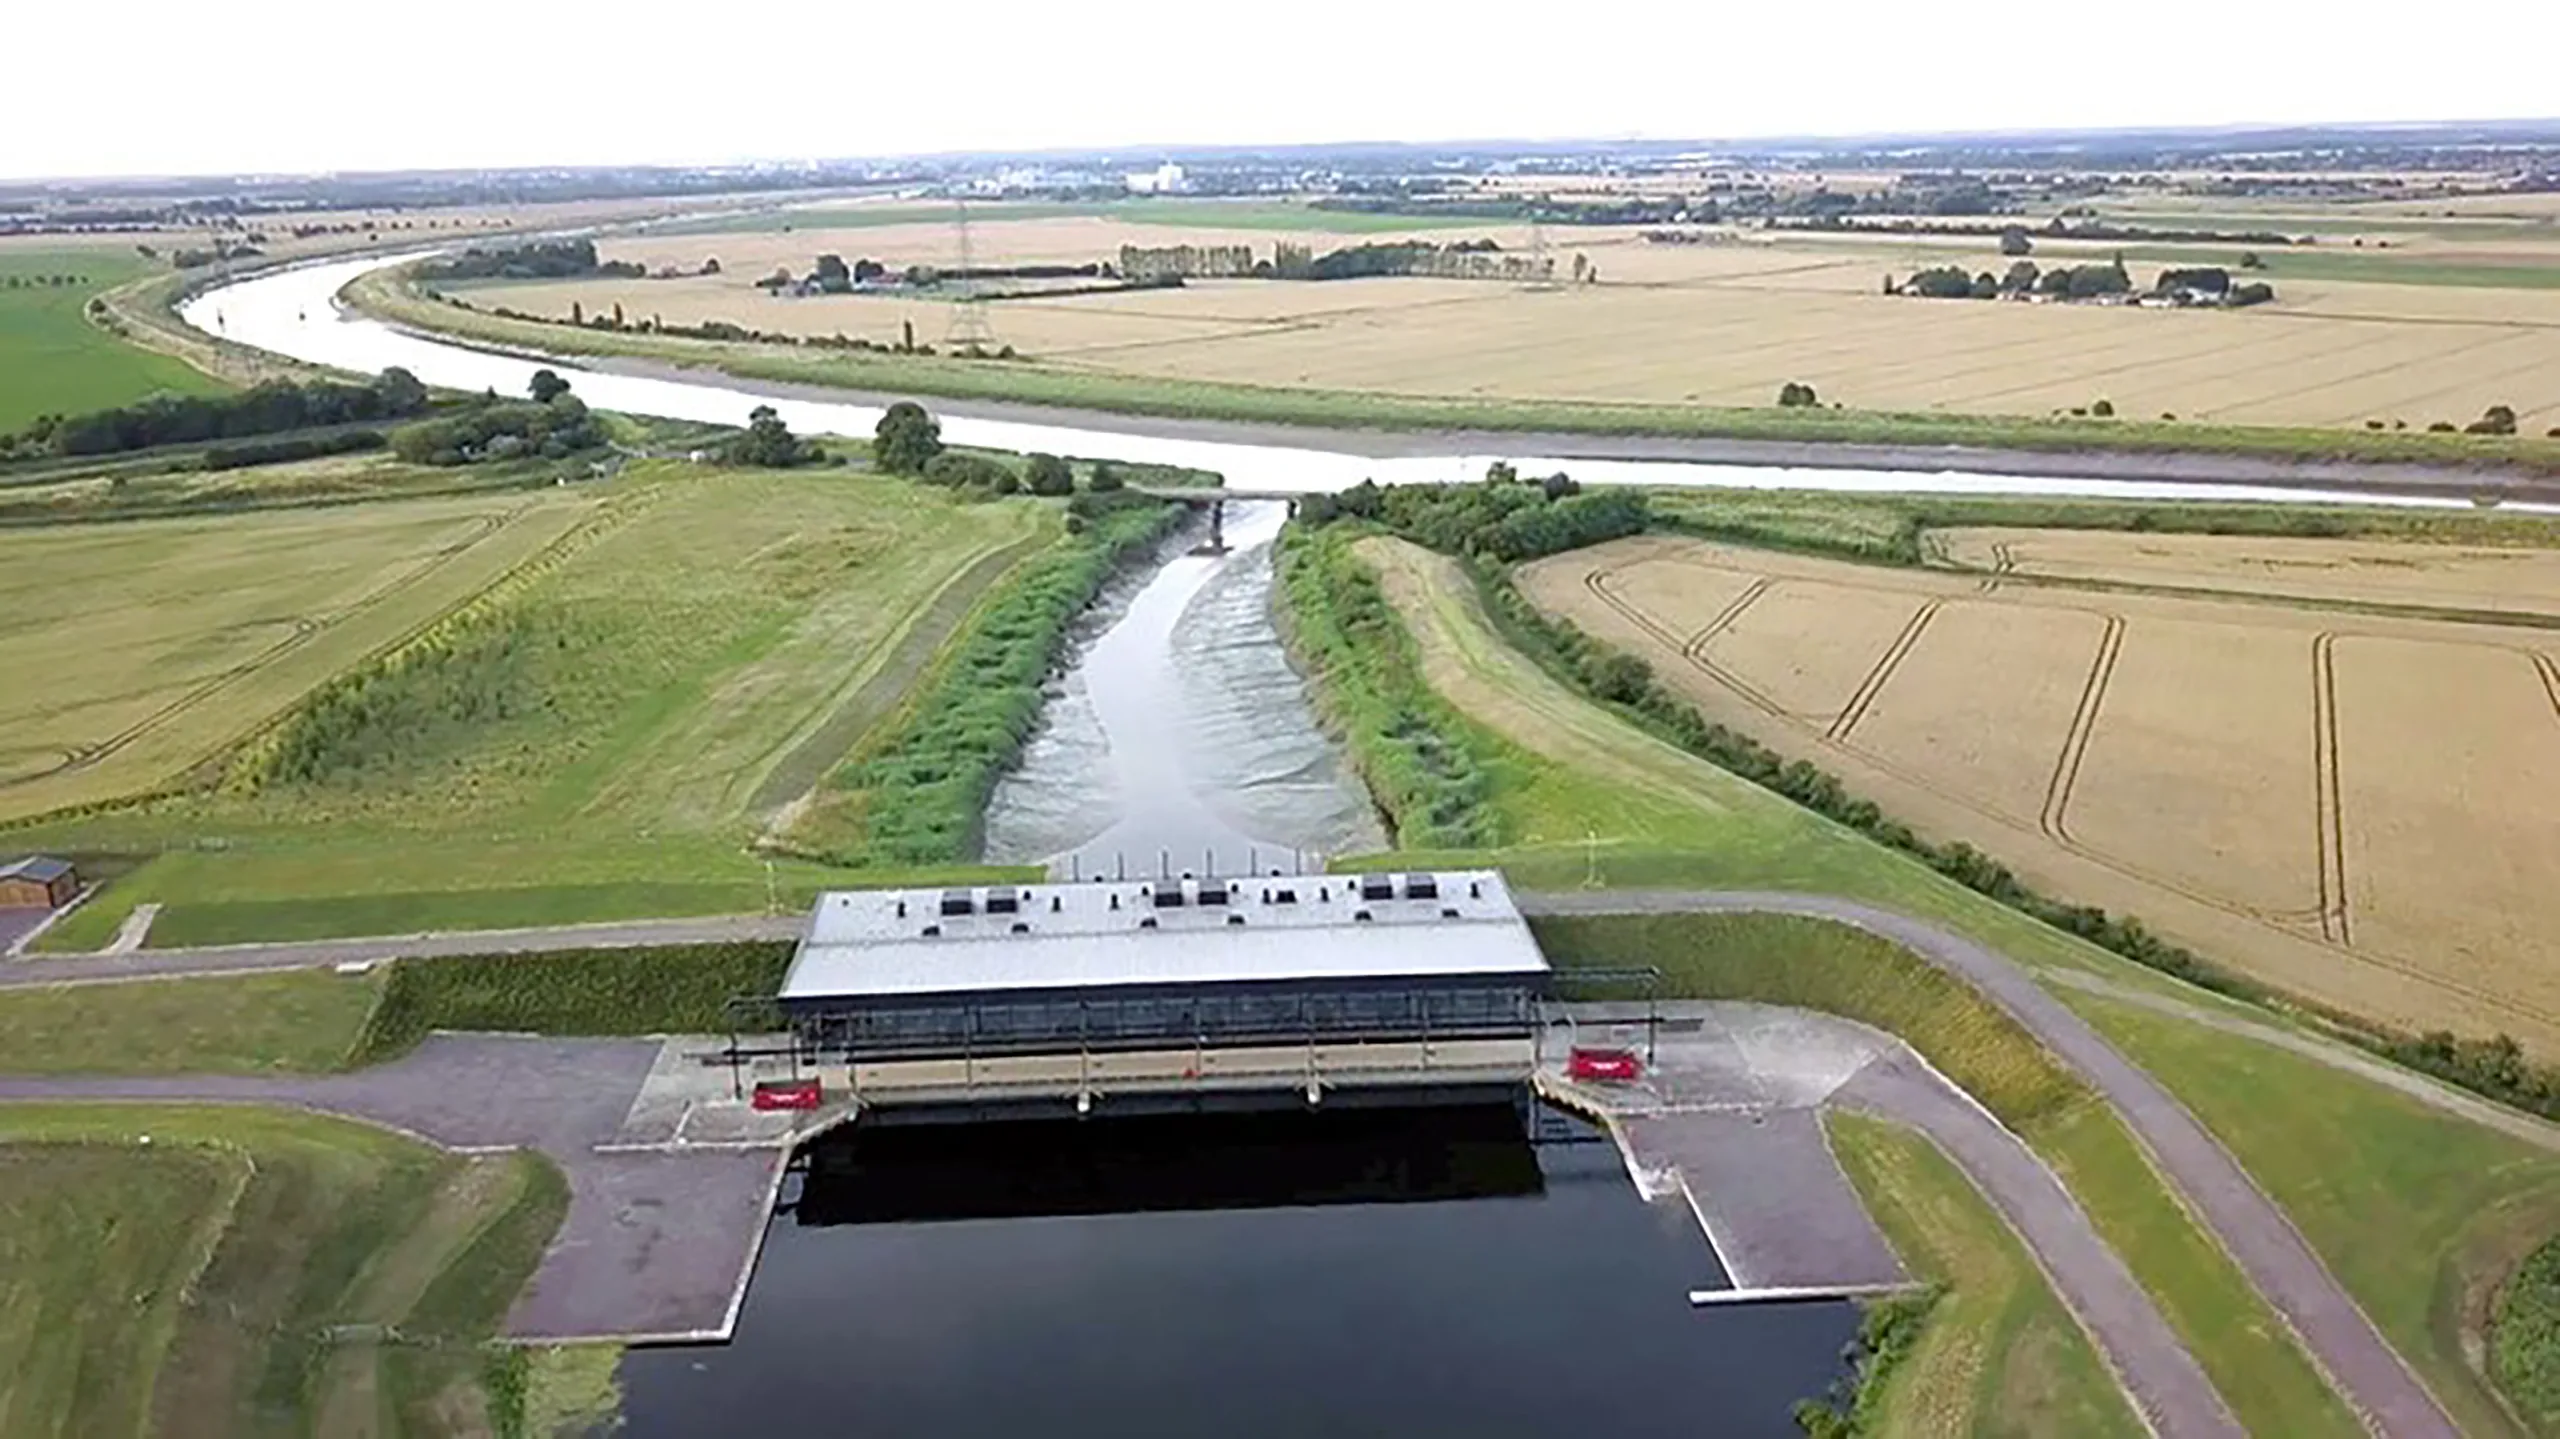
(1797, 396)
(552, 428)
(1500, 518)
(274, 407)
(906, 439)
(769, 444)
(975, 473)
(533, 260)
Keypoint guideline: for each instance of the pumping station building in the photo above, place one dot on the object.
(1168, 992)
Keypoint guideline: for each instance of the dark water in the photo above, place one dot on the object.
(1387, 1272)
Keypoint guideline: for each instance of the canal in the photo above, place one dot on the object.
(1473, 1270)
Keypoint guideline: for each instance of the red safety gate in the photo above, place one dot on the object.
(1616, 1066)
(788, 1094)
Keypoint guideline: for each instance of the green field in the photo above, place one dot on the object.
(580, 703)
(1999, 1354)
(52, 360)
(191, 1286)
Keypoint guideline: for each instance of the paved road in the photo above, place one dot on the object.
(2336, 1333)
(315, 954)
(2333, 1329)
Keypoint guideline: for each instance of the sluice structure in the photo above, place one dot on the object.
(1129, 996)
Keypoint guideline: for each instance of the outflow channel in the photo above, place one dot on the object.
(1179, 739)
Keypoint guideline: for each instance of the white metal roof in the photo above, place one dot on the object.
(884, 943)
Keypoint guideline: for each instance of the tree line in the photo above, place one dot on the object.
(553, 424)
(534, 260)
(273, 407)
(2192, 285)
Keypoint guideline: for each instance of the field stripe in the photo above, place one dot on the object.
(2329, 819)
(2084, 725)
(1864, 697)
(2549, 669)
(1597, 581)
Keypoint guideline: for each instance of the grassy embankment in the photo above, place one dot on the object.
(53, 360)
(916, 793)
(254, 1271)
(1998, 1353)
(2424, 1218)
(591, 723)
(385, 294)
(1576, 759)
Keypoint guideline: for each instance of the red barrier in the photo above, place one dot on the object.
(1611, 1065)
(788, 1094)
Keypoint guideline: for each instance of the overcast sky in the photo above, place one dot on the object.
(153, 87)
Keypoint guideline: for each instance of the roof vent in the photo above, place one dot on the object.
(1147, 922)
(1448, 912)
(1056, 904)
(1020, 928)
(1235, 919)
(1002, 901)
(1360, 915)
(1284, 896)
(1421, 886)
(959, 901)
(1475, 890)
(1115, 901)
(902, 909)
(1378, 886)
(932, 931)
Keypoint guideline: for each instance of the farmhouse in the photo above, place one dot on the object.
(37, 882)
(1073, 991)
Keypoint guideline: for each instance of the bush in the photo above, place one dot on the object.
(2104, 409)
(970, 472)
(906, 439)
(1049, 475)
(553, 430)
(2496, 420)
(1105, 478)
(1793, 396)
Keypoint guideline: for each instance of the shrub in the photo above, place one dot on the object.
(683, 989)
(970, 472)
(1049, 475)
(906, 439)
(1794, 396)
(1105, 478)
(2104, 409)
(2496, 420)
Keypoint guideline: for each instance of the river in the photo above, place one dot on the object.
(295, 312)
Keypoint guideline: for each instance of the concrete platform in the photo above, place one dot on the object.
(1727, 1120)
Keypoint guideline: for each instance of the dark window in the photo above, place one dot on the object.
(1170, 897)
(1001, 901)
(1421, 886)
(1378, 886)
(958, 901)
(1212, 893)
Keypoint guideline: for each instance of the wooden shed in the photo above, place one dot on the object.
(38, 882)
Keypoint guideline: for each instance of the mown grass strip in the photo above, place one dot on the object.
(308, 1021)
(1998, 1352)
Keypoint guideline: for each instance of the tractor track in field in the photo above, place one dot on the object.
(2328, 793)
(2054, 818)
(1863, 698)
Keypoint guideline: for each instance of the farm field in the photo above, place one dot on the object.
(2473, 579)
(52, 360)
(161, 642)
(234, 1245)
(2410, 338)
(600, 730)
(2344, 805)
